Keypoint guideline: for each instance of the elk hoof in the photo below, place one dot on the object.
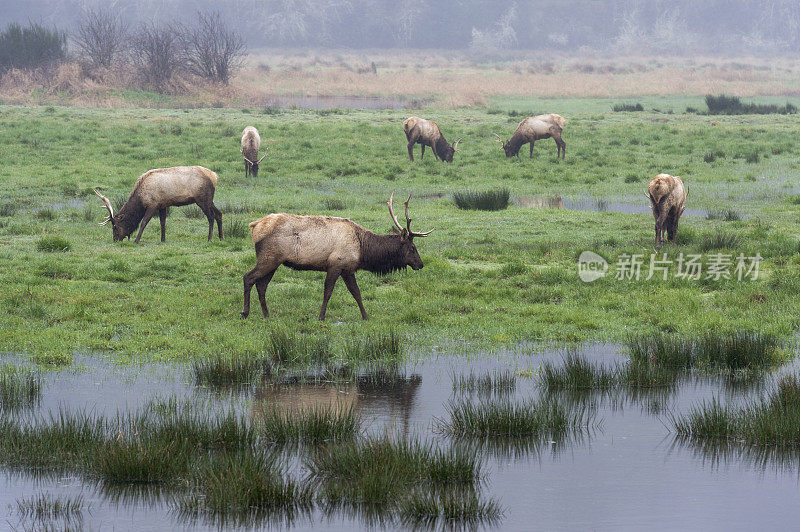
(244, 315)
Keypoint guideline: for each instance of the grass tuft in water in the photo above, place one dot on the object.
(48, 213)
(292, 348)
(222, 372)
(374, 347)
(142, 461)
(53, 243)
(427, 509)
(727, 215)
(496, 382)
(19, 390)
(45, 507)
(379, 472)
(504, 419)
(316, 425)
(490, 200)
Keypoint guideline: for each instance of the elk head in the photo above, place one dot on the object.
(510, 152)
(117, 230)
(449, 151)
(408, 249)
(254, 165)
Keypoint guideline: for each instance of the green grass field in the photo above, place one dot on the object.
(491, 279)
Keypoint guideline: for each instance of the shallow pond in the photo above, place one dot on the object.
(626, 472)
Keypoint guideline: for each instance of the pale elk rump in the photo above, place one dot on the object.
(536, 128)
(336, 246)
(667, 197)
(155, 191)
(251, 143)
(427, 133)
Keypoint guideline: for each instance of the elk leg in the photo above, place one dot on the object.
(330, 280)
(147, 215)
(261, 288)
(350, 282)
(411, 151)
(422, 155)
(218, 218)
(259, 272)
(210, 216)
(531, 150)
(162, 216)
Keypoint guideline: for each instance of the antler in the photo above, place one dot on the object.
(455, 144)
(408, 222)
(647, 194)
(391, 213)
(499, 138)
(248, 160)
(108, 206)
(265, 154)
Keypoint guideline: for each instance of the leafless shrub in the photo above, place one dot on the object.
(157, 54)
(213, 51)
(101, 37)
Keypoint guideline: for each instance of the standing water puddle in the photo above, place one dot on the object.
(592, 205)
(626, 471)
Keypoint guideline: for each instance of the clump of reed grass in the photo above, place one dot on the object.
(490, 200)
(141, 461)
(221, 372)
(719, 240)
(48, 213)
(244, 485)
(496, 382)
(334, 423)
(728, 215)
(733, 105)
(629, 107)
(577, 372)
(292, 348)
(46, 507)
(237, 229)
(773, 420)
(744, 350)
(193, 212)
(427, 509)
(504, 419)
(53, 243)
(19, 390)
(8, 209)
(334, 204)
(374, 347)
(380, 471)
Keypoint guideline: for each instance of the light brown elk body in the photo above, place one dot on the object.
(667, 197)
(155, 191)
(336, 246)
(427, 132)
(251, 143)
(536, 128)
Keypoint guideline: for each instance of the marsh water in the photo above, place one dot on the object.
(626, 472)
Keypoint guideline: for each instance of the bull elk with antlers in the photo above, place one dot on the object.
(251, 143)
(336, 246)
(427, 133)
(536, 128)
(158, 189)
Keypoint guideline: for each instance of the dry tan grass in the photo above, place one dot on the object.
(449, 79)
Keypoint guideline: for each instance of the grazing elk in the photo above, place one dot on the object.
(427, 133)
(667, 197)
(533, 129)
(336, 246)
(251, 143)
(158, 189)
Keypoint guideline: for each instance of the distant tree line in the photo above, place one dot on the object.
(103, 42)
(659, 26)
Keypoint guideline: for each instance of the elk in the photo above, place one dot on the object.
(536, 128)
(336, 246)
(158, 189)
(667, 197)
(251, 142)
(427, 133)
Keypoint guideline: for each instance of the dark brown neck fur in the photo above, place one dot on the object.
(381, 254)
(515, 143)
(441, 145)
(130, 214)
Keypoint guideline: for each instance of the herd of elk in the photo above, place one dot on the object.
(339, 246)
